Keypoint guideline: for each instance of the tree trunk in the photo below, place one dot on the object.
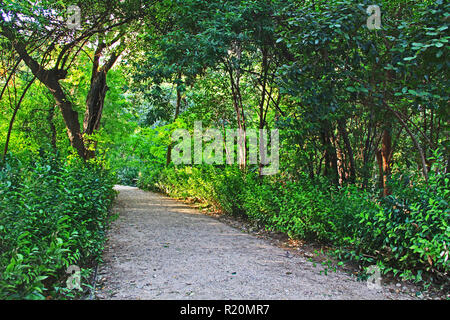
(331, 169)
(177, 112)
(368, 151)
(50, 117)
(71, 120)
(384, 160)
(50, 78)
(240, 118)
(94, 108)
(13, 117)
(262, 122)
(344, 134)
(96, 97)
(94, 103)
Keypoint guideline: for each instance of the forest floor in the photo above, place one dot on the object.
(160, 248)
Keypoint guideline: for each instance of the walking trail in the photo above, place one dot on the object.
(159, 248)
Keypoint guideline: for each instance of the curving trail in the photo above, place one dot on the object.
(159, 248)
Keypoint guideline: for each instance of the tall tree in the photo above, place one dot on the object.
(48, 45)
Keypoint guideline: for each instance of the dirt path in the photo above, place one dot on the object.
(159, 248)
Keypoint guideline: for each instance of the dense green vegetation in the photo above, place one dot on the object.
(363, 119)
(400, 233)
(50, 220)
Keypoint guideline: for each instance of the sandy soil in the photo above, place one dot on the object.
(159, 248)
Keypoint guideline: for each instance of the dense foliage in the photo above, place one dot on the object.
(407, 234)
(53, 214)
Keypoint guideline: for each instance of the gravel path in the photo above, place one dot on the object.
(160, 248)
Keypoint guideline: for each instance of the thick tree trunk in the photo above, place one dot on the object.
(94, 108)
(50, 78)
(96, 97)
(71, 120)
(94, 103)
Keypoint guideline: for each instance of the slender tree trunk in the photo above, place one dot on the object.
(331, 170)
(384, 160)
(341, 163)
(368, 151)
(13, 117)
(344, 134)
(265, 70)
(380, 169)
(50, 117)
(413, 138)
(177, 112)
(237, 103)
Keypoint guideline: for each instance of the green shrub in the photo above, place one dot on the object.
(406, 233)
(52, 214)
(410, 233)
(229, 190)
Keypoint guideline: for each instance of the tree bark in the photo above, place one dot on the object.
(50, 78)
(262, 112)
(237, 103)
(177, 112)
(331, 169)
(96, 96)
(50, 117)
(384, 160)
(344, 134)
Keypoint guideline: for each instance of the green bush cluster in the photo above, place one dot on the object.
(220, 188)
(53, 214)
(406, 233)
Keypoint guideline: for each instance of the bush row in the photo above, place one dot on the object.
(53, 214)
(406, 233)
